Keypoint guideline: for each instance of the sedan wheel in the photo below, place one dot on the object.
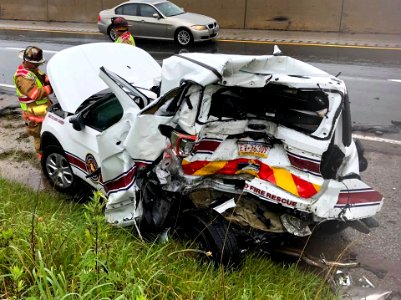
(58, 170)
(183, 37)
(112, 34)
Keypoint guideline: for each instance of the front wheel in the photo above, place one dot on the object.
(58, 170)
(183, 37)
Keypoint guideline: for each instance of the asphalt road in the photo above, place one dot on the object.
(373, 76)
(374, 82)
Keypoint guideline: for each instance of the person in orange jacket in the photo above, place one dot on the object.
(120, 26)
(32, 88)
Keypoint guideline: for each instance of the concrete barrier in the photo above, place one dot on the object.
(358, 16)
(371, 16)
(73, 10)
(314, 15)
(20, 10)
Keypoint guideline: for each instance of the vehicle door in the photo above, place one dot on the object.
(131, 14)
(119, 169)
(81, 146)
(152, 24)
(130, 146)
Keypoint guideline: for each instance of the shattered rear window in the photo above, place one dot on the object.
(294, 108)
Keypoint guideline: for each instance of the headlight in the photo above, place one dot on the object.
(199, 27)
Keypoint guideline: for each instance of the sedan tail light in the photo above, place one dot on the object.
(99, 18)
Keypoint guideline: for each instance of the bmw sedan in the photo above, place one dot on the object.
(159, 19)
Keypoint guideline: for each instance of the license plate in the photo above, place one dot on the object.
(253, 149)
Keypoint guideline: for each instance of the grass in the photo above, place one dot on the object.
(51, 248)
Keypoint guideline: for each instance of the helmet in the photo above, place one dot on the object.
(119, 23)
(32, 54)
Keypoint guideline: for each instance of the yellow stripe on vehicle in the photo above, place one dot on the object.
(210, 168)
(284, 180)
(317, 187)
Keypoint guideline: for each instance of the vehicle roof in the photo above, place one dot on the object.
(153, 2)
(242, 70)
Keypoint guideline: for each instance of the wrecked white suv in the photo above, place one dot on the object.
(230, 149)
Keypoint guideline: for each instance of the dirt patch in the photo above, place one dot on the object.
(17, 155)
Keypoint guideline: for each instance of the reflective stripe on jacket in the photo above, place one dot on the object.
(126, 38)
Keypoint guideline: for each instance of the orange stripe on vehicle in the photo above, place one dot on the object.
(211, 168)
(285, 181)
(305, 188)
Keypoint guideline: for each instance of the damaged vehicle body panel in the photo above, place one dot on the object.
(263, 142)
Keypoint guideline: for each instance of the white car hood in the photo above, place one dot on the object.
(234, 70)
(74, 72)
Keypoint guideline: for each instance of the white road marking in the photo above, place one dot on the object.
(7, 85)
(395, 80)
(19, 49)
(376, 139)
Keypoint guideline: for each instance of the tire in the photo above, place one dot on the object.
(111, 33)
(210, 232)
(58, 170)
(183, 37)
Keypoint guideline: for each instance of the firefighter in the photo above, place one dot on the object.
(33, 88)
(120, 26)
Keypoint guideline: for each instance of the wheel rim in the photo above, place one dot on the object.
(183, 37)
(59, 170)
(113, 34)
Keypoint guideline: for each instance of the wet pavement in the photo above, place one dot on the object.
(390, 41)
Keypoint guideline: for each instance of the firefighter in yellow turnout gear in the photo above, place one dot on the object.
(32, 88)
(120, 26)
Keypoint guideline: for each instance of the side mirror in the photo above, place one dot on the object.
(77, 122)
(156, 16)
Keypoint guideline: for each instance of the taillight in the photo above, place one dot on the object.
(99, 18)
(182, 144)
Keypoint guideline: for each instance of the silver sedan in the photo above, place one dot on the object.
(158, 19)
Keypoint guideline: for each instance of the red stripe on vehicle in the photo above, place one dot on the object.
(206, 145)
(359, 197)
(267, 173)
(76, 162)
(120, 182)
(305, 188)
